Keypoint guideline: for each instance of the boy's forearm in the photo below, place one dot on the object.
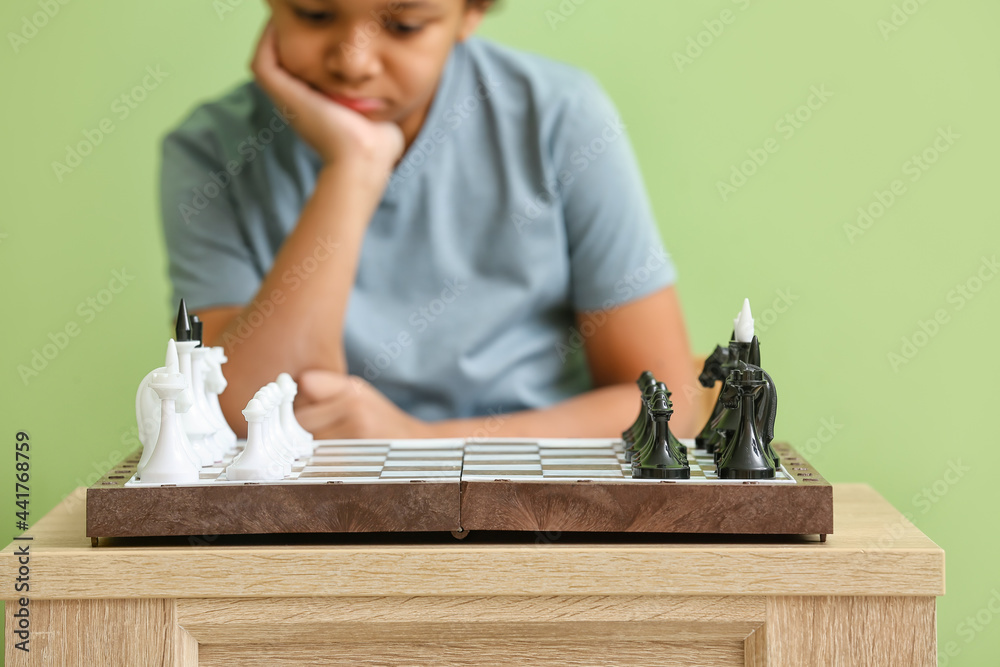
(599, 413)
(308, 286)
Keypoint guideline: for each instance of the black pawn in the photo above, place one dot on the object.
(660, 460)
(183, 329)
(674, 442)
(646, 441)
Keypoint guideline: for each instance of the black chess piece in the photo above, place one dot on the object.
(716, 369)
(633, 434)
(645, 440)
(674, 442)
(750, 393)
(660, 460)
(196, 330)
(722, 422)
(729, 419)
(183, 327)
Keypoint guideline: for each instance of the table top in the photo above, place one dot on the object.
(874, 551)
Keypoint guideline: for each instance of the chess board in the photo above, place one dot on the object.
(460, 485)
(355, 462)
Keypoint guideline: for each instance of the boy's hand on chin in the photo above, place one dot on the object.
(337, 133)
(333, 405)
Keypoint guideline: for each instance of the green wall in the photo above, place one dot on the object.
(837, 298)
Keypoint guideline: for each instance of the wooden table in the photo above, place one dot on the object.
(866, 596)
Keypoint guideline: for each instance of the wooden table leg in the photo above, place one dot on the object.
(851, 631)
(101, 632)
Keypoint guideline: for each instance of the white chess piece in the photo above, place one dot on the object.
(277, 398)
(298, 435)
(147, 411)
(169, 463)
(200, 361)
(272, 430)
(215, 384)
(254, 462)
(743, 324)
(199, 429)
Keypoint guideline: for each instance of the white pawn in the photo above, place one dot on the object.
(254, 462)
(298, 435)
(169, 463)
(743, 324)
(272, 432)
(273, 446)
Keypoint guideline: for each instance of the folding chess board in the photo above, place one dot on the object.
(464, 485)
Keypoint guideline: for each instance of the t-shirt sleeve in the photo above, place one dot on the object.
(210, 263)
(616, 254)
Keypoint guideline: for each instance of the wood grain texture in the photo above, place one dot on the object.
(114, 510)
(753, 507)
(755, 647)
(874, 552)
(884, 631)
(68, 633)
(463, 619)
(442, 653)
(648, 508)
(185, 647)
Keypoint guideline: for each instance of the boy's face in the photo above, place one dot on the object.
(382, 58)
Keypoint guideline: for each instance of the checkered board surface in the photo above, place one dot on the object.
(480, 460)
(575, 460)
(358, 461)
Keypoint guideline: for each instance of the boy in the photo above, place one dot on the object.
(451, 239)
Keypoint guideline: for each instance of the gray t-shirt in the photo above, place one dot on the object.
(519, 203)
